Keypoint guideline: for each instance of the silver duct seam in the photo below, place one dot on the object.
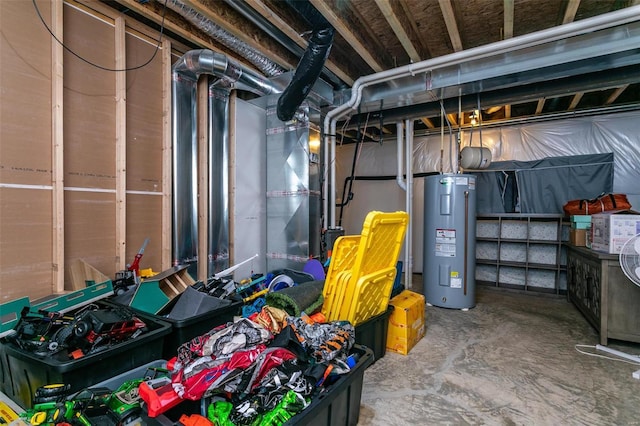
(263, 63)
(185, 74)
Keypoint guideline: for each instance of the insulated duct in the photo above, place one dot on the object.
(306, 74)
(228, 75)
(261, 62)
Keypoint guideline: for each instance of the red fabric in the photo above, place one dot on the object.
(603, 203)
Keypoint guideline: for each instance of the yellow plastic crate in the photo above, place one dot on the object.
(363, 268)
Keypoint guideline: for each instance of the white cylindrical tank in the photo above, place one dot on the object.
(449, 251)
(475, 157)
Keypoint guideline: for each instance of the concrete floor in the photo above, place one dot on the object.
(511, 360)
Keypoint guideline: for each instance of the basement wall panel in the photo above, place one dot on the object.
(89, 143)
(25, 131)
(89, 102)
(25, 152)
(90, 231)
(144, 219)
(25, 243)
(144, 152)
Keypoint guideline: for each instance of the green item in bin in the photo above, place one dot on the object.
(218, 413)
(305, 297)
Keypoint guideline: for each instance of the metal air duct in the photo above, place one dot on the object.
(228, 75)
(261, 62)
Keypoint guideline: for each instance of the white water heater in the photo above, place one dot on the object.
(449, 251)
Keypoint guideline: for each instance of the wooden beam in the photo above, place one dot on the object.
(452, 119)
(508, 19)
(238, 26)
(394, 15)
(494, 109)
(507, 111)
(575, 100)
(540, 106)
(147, 10)
(57, 148)
(346, 32)
(423, 50)
(452, 26)
(612, 98)
(167, 174)
(272, 17)
(570, 12)
(427, 122)
(121, 144)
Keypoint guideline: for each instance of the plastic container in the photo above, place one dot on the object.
(188, 327)
(339, 405)
(23, 372)
(363, 269)
(183, 330)
(373, 333)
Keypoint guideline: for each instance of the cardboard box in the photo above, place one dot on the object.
(406, 322)
(609, 231)
(578, 237)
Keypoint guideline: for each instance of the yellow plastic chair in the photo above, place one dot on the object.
(363, 268)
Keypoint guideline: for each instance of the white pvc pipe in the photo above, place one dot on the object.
(607, 20)
(399, 179)
(408, 274)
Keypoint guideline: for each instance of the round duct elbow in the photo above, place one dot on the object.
(475, 157)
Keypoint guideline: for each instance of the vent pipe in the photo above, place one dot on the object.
(260, 61)
(185, 73)
(307, 73)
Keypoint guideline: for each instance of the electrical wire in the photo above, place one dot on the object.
(155, 52)
(603, 356)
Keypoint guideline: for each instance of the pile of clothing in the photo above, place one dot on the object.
(260, 370)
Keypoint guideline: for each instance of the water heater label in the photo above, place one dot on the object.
(456, 282)
(462, 181)
(446, 250)
(446, 181)
(446, 236)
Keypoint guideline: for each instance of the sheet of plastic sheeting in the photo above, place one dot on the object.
(249, 228)
(618, 133)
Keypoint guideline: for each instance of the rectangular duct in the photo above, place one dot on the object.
(293, 188)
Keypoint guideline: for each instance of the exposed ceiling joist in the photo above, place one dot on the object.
(616, 93)
(452, 26)
(452, 119)
(394, 14)
(575, 100)
(507, 111)
(232, 23)
(427, 122)
(272, 17)
(508, 19)
(154, 13)
(347, 33)
(540, 106)
(570, 12)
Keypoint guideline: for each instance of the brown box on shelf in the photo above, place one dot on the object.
(578, 237)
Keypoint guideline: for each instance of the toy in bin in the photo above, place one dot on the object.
(89, 330)
(97, 405)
